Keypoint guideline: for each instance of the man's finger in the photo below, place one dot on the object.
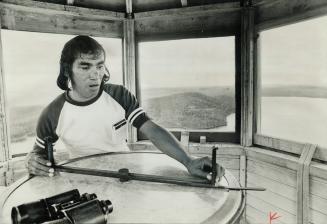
(207, 161)
(39, 172)
(207, 168)
(35, 164)
(209, 176)
(42, 161)
(204, 164)
(200, 173)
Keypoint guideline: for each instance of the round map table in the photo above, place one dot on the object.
(136, 201)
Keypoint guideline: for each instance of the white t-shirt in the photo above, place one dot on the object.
(95, 126)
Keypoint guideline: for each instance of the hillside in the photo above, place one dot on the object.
(208, 91)
(190, 110)
(23, 121)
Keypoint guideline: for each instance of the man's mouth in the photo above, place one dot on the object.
(93, 85)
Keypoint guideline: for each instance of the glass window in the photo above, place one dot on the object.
(189, 84)
(31, 66)
(294, 82)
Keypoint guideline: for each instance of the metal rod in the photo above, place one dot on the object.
(214, 165)
(131, 176)
(150, 178)
(49, 149)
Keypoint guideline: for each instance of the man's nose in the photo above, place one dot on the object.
(94, 74)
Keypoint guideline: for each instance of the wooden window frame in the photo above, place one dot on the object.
(21, 15)
(279, 144)
(194, 136)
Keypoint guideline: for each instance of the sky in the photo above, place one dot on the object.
(295, 54)
(188, 63)
(291, 55)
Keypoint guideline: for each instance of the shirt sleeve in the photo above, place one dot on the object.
(47, 124)
(134, 114)
(44, 129)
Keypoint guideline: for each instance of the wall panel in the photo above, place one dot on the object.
(275, 172)
(266, 207)
(318, 193)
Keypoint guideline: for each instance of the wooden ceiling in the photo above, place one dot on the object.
(138, 5)
(153, 19)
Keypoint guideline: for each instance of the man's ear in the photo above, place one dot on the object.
(106, 76)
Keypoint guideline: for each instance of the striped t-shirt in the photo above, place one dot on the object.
(94, 126)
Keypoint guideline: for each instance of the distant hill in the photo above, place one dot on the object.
(208, 91)
(23, 121)
(190, 110)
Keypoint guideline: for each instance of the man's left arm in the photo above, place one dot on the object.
(169, 145)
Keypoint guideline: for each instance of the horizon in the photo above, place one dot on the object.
(227, 86)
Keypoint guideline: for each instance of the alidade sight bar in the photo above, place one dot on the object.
(124, 174)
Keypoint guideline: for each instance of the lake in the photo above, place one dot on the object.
(301, 119)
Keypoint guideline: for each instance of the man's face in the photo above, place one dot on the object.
(88, 71)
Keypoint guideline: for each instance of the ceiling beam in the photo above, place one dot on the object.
(189, 22)
(57, 9)
(43, 17)
(190, 11)
(275, 13)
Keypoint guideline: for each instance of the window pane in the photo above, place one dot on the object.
(294, 82)
(31, 65)
(189, 84)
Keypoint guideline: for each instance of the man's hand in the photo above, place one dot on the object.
(199, 167)
(169, 145)
(36, 164)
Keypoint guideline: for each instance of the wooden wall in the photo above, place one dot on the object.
(318, 193)
(277, 172)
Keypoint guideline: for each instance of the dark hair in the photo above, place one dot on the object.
(71, 51)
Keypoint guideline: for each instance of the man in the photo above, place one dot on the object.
(90, 116)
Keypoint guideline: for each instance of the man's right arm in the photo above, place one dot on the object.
(36, 161)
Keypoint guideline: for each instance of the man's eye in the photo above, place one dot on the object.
(100, 66)
(85, 67)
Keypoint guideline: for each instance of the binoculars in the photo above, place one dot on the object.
(66, 208)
